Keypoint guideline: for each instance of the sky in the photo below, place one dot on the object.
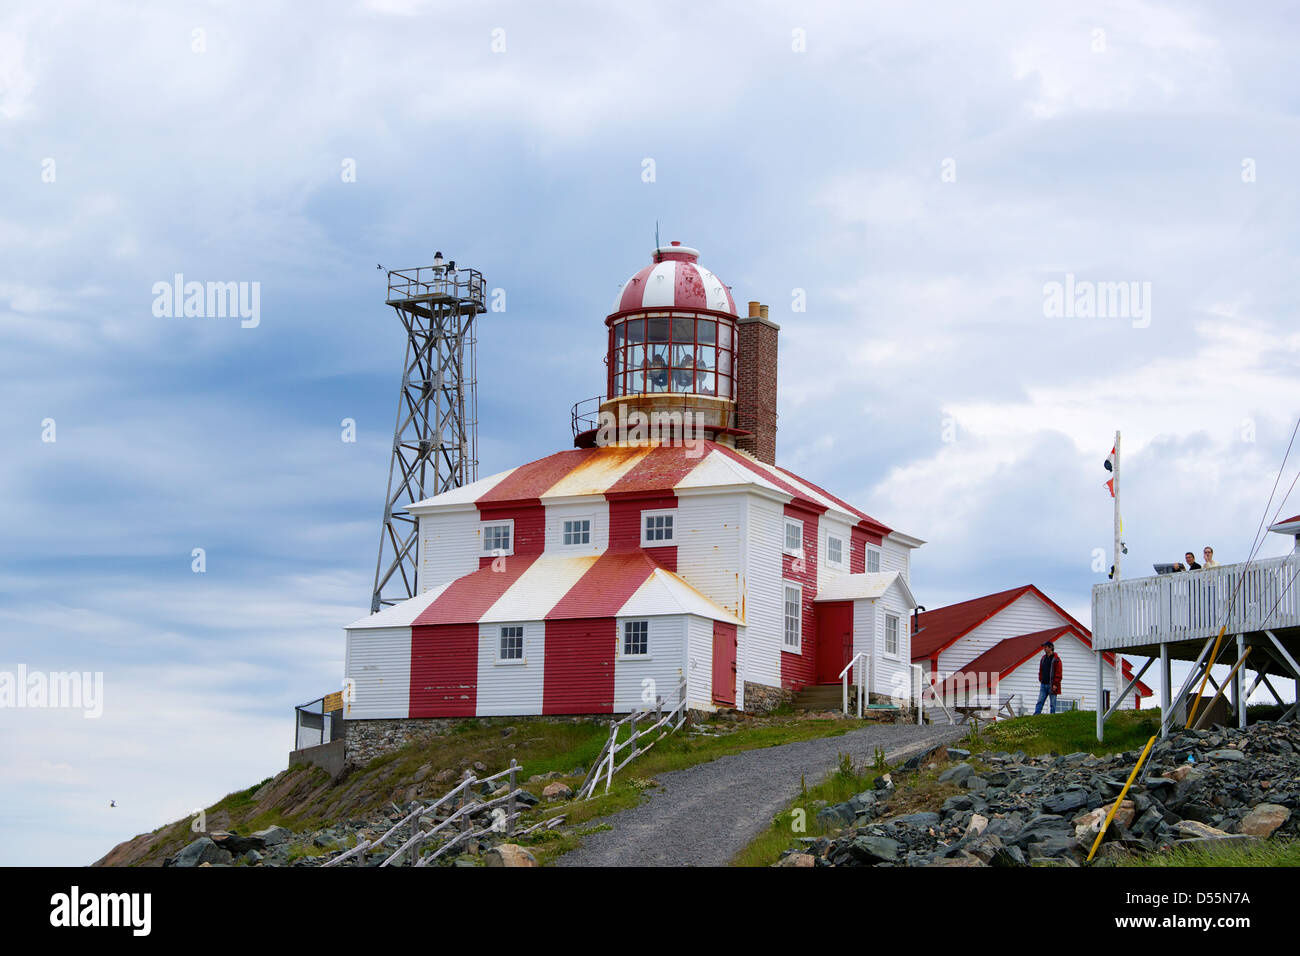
(902, 188)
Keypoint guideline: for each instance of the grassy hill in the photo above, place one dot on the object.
(308, 799)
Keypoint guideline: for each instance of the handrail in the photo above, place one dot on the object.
(859, 681)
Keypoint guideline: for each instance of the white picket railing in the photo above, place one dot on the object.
(607, 763)
(861, 680)
(1191, 605)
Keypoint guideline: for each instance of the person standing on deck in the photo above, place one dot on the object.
(1049, 677)
(1209, 558)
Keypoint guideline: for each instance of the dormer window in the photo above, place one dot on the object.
(498, 537)
(793, 536)
(657, 528)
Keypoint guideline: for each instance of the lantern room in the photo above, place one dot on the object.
(673, 342)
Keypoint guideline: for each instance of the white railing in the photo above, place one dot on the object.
(1191, 605)
(607, 762)
(861, 680)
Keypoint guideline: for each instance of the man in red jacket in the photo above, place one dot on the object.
(1049, 676)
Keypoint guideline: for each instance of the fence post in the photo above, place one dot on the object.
(510, 804)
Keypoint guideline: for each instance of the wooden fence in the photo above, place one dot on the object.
(607, 763)
(458, 827)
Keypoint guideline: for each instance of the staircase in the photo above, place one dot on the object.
(830, 697)
(822, 697)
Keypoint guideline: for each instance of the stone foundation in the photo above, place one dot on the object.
(364, 740)
(367, 739)
(763, 699)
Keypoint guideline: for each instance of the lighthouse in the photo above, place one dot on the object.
(698, 568)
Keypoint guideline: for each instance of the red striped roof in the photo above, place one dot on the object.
(606, 586)
(941, 627)
(467, 599)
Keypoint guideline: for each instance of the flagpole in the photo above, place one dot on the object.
(1118, 544)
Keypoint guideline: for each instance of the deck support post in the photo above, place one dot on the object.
(1166, 681)
(1101, 671)
(1239, 685)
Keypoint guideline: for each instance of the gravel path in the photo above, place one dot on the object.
(704, 815)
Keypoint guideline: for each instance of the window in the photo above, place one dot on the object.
(497, 537)
(656, 528)
(577, 531)
(873, 560)
(834, 550)
(793, 617)
(793, 536)
(636, 638)
(891, 635)
(672, 352)
(512, 643)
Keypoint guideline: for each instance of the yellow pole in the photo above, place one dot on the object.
(1214, 656)
(1120, 799)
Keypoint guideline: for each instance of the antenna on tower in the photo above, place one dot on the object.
(658, 257)
(435, 440)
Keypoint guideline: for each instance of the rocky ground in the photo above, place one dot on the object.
(1006, 809)
(277, 846)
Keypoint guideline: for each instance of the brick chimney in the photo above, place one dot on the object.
(756, 383)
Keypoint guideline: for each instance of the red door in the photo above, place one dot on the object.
(724, 663)
(834, 639)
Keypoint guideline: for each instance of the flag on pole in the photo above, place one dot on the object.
(1110, 486)
(1110, 464)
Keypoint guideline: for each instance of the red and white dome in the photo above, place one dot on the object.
(675, 279)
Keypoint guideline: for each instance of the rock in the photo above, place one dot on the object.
(480, 766)
(1064, 802)
(1263, 819)
(1236, 756)
(957, 774)
(444, 776)
(884, 782)
(961, 859)
(1198, 831)
(874, 849)
(202, 852)
(509, 854)
(925, 819)
(272, 836)
(527, 799)
(1124, 815)
(1087, 825)
(978, 824)
(557, 791)
(836, 816)
(797, 859)
(325, 841)
(543, 777)
(975, 783)
(957, 804)
(237, 845)
(955, 753)
(986, 849)
(1178, 773)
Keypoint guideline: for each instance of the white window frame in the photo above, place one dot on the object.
(835, 562)
(572, 519)
(797, 647)
(898, 635)
(785, 539)
(867, 559)
(622, 642)
(523, 640)
(486, 526)
(671, 515)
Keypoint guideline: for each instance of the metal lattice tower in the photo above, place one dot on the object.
(435, 441)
